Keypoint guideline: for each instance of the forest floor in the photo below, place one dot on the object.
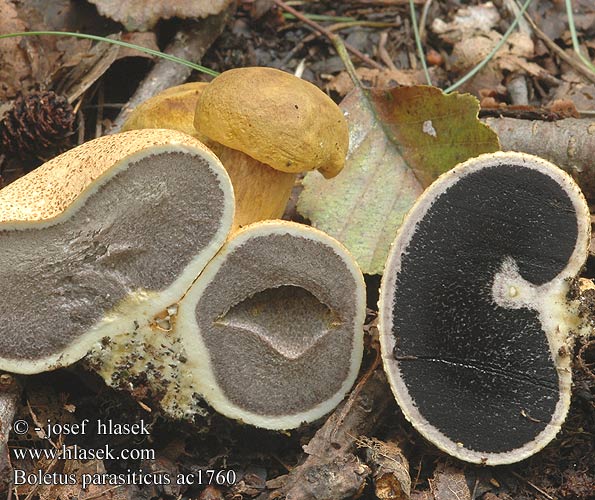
(528, 78)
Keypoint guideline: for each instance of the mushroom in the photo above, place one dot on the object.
(281, 343)
(116, 249)
(265, 125)
(107, 233)
(474, 317)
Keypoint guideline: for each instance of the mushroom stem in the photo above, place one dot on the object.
(261, 192)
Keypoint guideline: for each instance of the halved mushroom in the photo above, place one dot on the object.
(104, 249)
(271, 333)
(474, 315)
(275, 325)
(264, 125)
(101, 236)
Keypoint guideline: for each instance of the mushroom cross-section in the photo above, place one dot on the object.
(120, 251)
(474, 315)
(275, 325)
(102, 236)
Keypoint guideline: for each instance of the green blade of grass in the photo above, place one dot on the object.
(96, 38)
(420, 49)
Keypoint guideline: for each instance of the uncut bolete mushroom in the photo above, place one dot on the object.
(265, 125)
(105, 244)
(474, 318)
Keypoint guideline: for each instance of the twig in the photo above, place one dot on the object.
(332, 28)
(190, 43)
(577, 65)
(536, 488)
(383, 53)
(331, 469)
(355, 394)
(324, 31)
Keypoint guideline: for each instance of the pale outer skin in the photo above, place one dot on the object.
(275, 117)
(52, 194)
(199, 363)
(261, 192)
(549, 300)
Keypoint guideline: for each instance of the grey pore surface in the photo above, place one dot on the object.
(480, 373)
(270, 322)
(138, 231)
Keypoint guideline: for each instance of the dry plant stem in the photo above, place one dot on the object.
(331, 469)
(326, 33)
(191, 43)
(568, 59)
(536, 488)
(568, 143)
(423, 19)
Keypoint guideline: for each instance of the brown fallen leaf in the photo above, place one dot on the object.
(342, 83)
(390, 469)
(22, 60)
(449, 483)
(142, 15)
(511, 58)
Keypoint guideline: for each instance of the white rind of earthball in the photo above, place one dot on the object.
(101, 237)
(281, 343)
(475, 323)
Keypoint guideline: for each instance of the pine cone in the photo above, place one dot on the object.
(36, 124)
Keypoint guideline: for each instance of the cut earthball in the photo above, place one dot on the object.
(271, 333)
(121, 251)
(276, 320)
(102, 236)
(475, 323)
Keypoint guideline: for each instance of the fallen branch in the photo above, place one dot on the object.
(569, 143)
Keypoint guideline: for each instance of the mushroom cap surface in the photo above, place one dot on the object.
(276, 118)
(474, 318)
(173, 108)
(102, 236)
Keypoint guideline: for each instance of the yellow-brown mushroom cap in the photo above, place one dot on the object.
(276, 118)
(172, 109)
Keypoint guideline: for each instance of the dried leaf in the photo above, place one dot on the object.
(142, 15)
(413, 135)
(390, 468)
(467, 22)
(18, 56)
(449, 483)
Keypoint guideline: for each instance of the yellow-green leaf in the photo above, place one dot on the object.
(400, 141)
